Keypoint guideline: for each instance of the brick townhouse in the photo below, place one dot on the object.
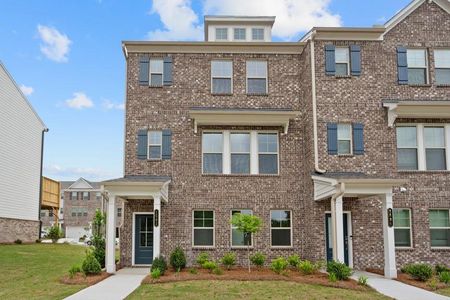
(339, 142)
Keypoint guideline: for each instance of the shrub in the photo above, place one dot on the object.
(258, 259)
(178, 259)
(54, 233)
(229, 260)
(155, 273)
(193, 271)
(91, 265)
(341, 270)
(98, 236)
(294, 260)
(439, 268)
(209, 265)
(160, 264)
(279, 265)
(433, 283)
(217, 271)
(202, 258)
(99, 244)
(362, 280)
(18, 241)
(306, 267)
(421, 272)
(332, 277)
(444, 277)
(74, 270)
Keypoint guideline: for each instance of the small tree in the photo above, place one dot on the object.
(98, 237)
(248, 225)
(54, 233)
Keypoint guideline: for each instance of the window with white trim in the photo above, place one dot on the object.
(442, 66)
(212, 149)
(156, 71)
(256, 77)
(221, 76)
(98, 196)
(342, 60)
(258, 34)
(434, 140)
(407, 148)
(154, 145)
(439, 227)
(268, 153)
(203, 228)
(85, 195)
(237, 237)
(417, 66)
(73, 196)
(344, 134)
(280, 228)
(240, 152)
(402, 227)
(221, 34)
(239, 34)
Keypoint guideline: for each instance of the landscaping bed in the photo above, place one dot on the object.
(80, 278)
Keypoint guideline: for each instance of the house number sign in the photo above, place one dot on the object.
(156, 217)
(390, 217)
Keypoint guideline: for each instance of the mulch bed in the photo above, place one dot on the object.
(80, 278)
(263, 274)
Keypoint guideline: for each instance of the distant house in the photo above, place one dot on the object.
(21, 151)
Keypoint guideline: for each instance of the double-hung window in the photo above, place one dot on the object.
(240, 152)
(258, 34)
(402, 227)
(280, 228)
(268, 153)
(221, 34)
(439, 227)
(212, 146)
(154, 144)
(85, 213)
(85, 195)
(73, 196)
(417, 66)
(256, 77)
(344, 134)
(239, 34)
(407, 148)
(221, 76)
(342, 58)
(442, 66)
(156, 72)
(203, 228)
(238, 239)
(98, 196)
(434, 140)
(74, 212)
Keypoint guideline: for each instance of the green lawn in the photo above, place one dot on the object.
(445, 292)
(246, 289)
(32, 271)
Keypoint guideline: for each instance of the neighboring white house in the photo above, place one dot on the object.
(21, 151)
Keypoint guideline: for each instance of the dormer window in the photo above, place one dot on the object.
(239, 34)
(221, 34)
(258, 34)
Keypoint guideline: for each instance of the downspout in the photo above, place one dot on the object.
(336, 195)
(40, 182)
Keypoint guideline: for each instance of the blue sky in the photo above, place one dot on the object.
(67, 57)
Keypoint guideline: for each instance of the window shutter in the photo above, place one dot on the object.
(142, 144)
(355, 60)
(402, 65)
(166, 144)
(358, 139)
(144, 71)
(332, 138)
(330, 60)
(167, 70)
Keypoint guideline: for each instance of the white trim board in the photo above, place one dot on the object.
(350, 236)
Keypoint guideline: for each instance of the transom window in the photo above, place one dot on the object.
(402, 227)
(344, 133)
(237, 238)
(280, 228)
(222, 34)
(156, 72)
(239, 34)
(240, 153)
(442, 66)
(440, 228)
(407, 148)
(417, 66)
(85, 195)
(342, 58)
(203, 228)
(256, 77)
(212, 147)
(258, 34)
(154, 144)
(221, 77)
(268, 153)
(434, 139)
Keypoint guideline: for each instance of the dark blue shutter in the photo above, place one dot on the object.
(142, 144)
(330, 60)
(167, 70)
(166, 144)
(144, 71)
(332, 138)
(402, 65)
(355, 60)
(358, 139)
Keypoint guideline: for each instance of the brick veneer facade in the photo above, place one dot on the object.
(15, 229)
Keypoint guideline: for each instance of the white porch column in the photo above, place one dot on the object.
(339, 230)
(110, 260)
(157, 229)
(390, 269)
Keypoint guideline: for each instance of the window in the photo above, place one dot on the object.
(240, 153)
(85, 212)
(442, 64)
(407, 148)
(258, 34)
(417, 66)
(222, 34)
(154, 144)
(439, 228)
(203, 228)
(280, 228)
(221, 77)
(119, 212)
(43, 214)
(50, 213)
(256, 77)
(74, 212)
(342, 58)
(156, 72)
(79, 212)
(237, 238)
(212, 146)
(402, 227)
(344, 133)
(268, 153)
(434, 140)
(85, 195)
(98, 196)
(73, 196)
(239, 34)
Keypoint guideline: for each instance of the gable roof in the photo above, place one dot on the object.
(83, 184)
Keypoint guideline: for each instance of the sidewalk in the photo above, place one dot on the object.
(397, 289)
(117, 286)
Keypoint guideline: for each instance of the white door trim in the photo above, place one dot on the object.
(133, 237)
(350, 236)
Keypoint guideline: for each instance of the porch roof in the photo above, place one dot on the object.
(421, 109)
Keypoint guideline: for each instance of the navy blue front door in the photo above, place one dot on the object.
(329, 241)
(143, 240)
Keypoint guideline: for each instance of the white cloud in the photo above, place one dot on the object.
(55, 45)
(26, 90)
(179, 19)
(79, 101)
(108, 104)
(73, 173)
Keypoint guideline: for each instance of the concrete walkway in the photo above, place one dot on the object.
(396, 289)
(117, 286)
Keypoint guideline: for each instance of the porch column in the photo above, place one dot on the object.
(156, 229)
(339, 230)
(110, 260)
(390, 269)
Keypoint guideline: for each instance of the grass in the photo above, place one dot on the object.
(445, 292)
(247, 289)
(32, 271)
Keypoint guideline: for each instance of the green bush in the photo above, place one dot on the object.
(159, 263)
(279, 265)
(178, 259)
(193, 271)
(217, 271)
(98, 236)
(433, 283)
(38, 241)
(74, 270)
(91, 265)
(444, 277)
(99, 244)
(155, 273)
(294, 260)
(54, 233)
(439, 268)
(229, 260)
(202, 258)
(362, 280)
(258, 259)
(306, 267)
(18, 242)
(421, 272)
(332, 277)
(209, 265)
(341, 270)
